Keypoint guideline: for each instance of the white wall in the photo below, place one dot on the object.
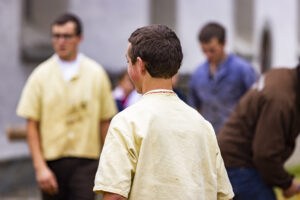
(116, 19)
(109, 23)
(12, 76)
(281, 16)
(192, 15)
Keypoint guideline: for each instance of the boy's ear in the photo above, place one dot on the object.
(141, 65)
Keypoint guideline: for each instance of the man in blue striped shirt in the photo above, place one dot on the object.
(218, 83)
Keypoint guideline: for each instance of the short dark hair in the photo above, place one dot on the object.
(159, 47)
(210, 31)
(67, 17)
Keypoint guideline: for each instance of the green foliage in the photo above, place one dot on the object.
(295, 170)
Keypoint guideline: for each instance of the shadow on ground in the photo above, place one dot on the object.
(18, 180)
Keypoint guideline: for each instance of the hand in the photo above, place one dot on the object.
(47, 180)
(292, 190)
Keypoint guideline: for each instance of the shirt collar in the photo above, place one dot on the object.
(159, 91)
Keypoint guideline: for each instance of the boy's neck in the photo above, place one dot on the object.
(150, 83)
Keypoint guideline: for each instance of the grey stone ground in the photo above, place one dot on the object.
(28, 193)
(17, 180)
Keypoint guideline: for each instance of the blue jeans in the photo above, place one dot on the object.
(248, 185)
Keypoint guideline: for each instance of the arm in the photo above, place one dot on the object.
(103, 130)
(224, 189)
(112, 196)
(118, 160)
(292, 190)
(224, 186)
(269, 144)
(45, 177)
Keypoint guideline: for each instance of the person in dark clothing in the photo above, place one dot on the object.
(122, 90)
(260, 135)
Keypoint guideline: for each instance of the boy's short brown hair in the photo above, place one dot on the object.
(159, 47)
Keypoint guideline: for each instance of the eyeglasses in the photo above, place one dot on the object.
(64, 36)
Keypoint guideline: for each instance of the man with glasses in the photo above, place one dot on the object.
(68, 105)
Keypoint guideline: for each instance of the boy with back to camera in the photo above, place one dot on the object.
(159, 148)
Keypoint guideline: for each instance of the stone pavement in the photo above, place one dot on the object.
(17, 178)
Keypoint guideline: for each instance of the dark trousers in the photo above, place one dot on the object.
(247, 184)
(75, 178)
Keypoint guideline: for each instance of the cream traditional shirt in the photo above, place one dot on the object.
(69, 112)
(160, 148)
